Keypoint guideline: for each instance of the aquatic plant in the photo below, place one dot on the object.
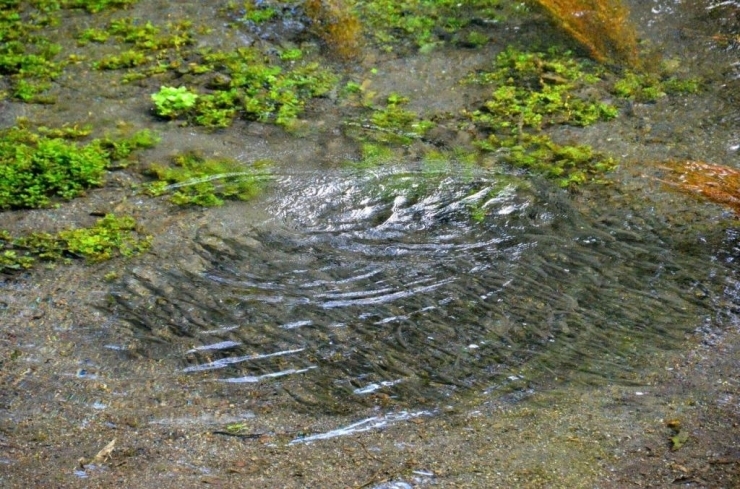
(474, 39)
(31, 91)
(246, 81)
(127, 59)
(649, 87)
(150, 37)
(534, 91)
(600, 26)
(94, 6)
(716, 183)
(28, 61)
(259, 84)
(425, 24)
(373, 155)
(148, 45)
(27, 57)
(120, 148)
(66, 131)
(538, 90)
(110, 236)
(92, 35)
(392, 123)
(196, 180)
(257, 12)
(345, 26)
(293, 54)
(172, 102)
(34, 169)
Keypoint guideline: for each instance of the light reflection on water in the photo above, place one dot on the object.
(416, 285)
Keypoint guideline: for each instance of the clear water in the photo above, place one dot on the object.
(416, 282)
(392, 293)
(419, 282)
(430, 293)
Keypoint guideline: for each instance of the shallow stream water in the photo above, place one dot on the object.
(421, 281)
(363, 297)
(385, 282)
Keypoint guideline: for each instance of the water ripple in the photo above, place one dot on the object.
(416, 287)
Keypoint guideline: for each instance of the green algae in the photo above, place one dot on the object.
(565, 440)
(531, 92)
(145, 49)
(93, 6)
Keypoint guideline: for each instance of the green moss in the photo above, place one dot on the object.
(173, 102)
(35, 169)
(540, 89)
(217, 109)
(92, 35)
(30, 59)
(567, 164)
(127, 59)
(266, 85)
(195, 180)
(391, 25)
(111, 276)
(27, 56)
(65, 132)
(32, 91)
(373, 155)
(248, 82)
(145, 49)
(649, 87)
(223, 85)
(291, 54)
(148, 37)
(534, 91)
(95, 6)
(474, 39)
(10, 260)
(257, 14)
(392, 123)
(30, 65)
(425, 23)
(120, 148)
(109, 237)
(675, 85)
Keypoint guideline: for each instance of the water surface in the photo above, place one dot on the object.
(418, 282)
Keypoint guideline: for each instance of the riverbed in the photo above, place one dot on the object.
(414, 324)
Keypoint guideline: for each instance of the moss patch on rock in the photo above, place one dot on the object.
(109, 237)
(535, 91)
(196, 180)
(36, 169)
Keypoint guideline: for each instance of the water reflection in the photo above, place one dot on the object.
(406, 285)
(369, 424)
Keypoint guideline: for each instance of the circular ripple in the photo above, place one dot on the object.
(412, 285)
